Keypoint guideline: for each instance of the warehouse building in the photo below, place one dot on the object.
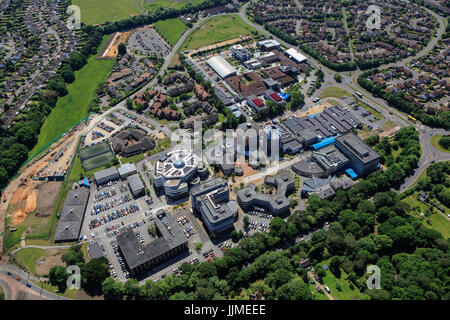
(107, 175)
(127, 170)
(136, 185)
(72, 216)
(221, 66)
(141, 257)
(212, 200)
(295, 55)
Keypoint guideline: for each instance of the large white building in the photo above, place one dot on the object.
(176, 171)
(295, 55)
(221, 66)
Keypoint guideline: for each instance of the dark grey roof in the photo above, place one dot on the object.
(72, 215)
(135, 183)
(95, 251)
(357, 147)
(109, 172)
(136, 254)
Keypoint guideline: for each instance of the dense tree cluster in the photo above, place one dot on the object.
(444, 142)
(397, 100)
(436, 182)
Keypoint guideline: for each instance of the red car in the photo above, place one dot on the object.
(209, 259)
(18, 278)
(213, 255)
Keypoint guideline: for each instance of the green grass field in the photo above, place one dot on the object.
(435, 142)
(175, 4)
(171, 29)
(73, 107)
(29, 257)
(217, 29)
(334, 92)
(438, 221)
(345, 293)
(100, 11)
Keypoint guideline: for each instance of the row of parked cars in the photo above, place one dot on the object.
(189, 231)
(182, 220)
(260, 215)
(120, 260)
(259, 225)
(108, 184)
(96, 209)
(104, 195)
(113, 216)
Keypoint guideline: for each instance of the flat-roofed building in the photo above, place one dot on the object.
(141, 257)
(269, 44)
(212, 200)
(107, 175)
(240, 53)
(136, 185)
(126, 170)
(249, 198)
(330, 159)
(295, 55)
(363, 159)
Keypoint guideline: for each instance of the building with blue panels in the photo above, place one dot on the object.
(363, 159)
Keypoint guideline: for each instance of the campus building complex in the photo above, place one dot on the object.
(212, 200)
(178, 170)
(249, 198)
(141, 257)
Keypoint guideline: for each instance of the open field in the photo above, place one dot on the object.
(150, 5)
(100, 11)
(30, 257)
(217, 29)
(171, 29)
(435, 142)
(345, 292)
(334, 92)
(437, 220)
(75, 105)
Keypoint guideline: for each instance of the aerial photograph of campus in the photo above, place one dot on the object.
(237, 150)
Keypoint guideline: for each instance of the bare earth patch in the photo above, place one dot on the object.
(18, 217)
(53, 259)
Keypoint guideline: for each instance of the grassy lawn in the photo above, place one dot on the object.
(345, 293)
(435, 142)
(217, 29)
(100, 11)
(437, 220)
(29, 257)
(2, 294)
(162, 145)
(171, 29)
(334, 92)
(133, 159)
(177, 4)
(73, 107)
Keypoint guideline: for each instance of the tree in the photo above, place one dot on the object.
(246, 222)
(112, 290)
(295, 289)
(73, 256)
(198, 245)
(122, 49)
(93, 274)
(338, 78)
(58, 277)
